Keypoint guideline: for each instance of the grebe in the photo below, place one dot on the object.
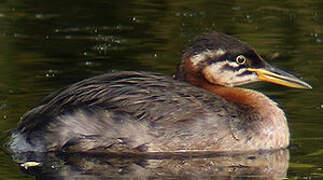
(199, 110)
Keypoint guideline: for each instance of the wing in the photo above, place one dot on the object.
(146, 96)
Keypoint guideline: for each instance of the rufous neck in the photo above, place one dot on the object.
(233, 94)
(259, 102)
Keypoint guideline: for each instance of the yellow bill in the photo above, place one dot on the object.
(277, 76)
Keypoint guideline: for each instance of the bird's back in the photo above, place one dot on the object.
(124, 110)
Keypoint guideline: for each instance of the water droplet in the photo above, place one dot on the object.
(318, 40)
(119, 27)
(314, 34)
(249, 18)
(88, 63)
(117, 41)
(39, 16)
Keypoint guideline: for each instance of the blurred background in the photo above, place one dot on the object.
(46, 45)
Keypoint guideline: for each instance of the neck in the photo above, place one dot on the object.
(269, 120)
(242, 96)
(262, 104)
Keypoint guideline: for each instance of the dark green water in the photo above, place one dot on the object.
(45, 45)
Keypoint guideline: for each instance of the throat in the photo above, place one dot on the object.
(253, 99)
(238, 95)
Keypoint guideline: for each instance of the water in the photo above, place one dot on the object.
(46, 45)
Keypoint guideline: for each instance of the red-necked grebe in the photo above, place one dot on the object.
(199, 110)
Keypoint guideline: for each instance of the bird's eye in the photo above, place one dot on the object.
(241, 59)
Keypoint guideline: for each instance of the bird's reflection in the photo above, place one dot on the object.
(264, 165)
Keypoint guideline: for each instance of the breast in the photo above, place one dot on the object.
(264, 126)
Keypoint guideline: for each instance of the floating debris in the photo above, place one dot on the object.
(26, 165)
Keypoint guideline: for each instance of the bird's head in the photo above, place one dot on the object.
(223, 60)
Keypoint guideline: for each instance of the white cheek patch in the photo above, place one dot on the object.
(215, 74)
(232, 64)
(206, 55)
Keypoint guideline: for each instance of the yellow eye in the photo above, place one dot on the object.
(241, 59)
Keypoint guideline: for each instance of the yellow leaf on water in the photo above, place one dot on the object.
(26, 165)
